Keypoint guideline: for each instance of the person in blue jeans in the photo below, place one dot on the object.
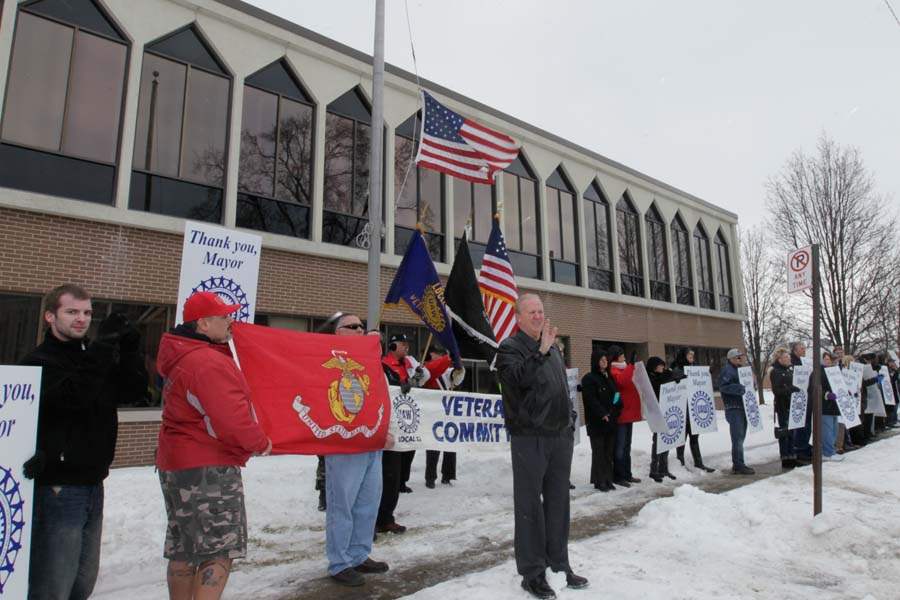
(81, 382)
(830, 413)
(733, 398)
(353, 493)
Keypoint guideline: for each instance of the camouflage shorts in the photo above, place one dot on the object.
(205, 510)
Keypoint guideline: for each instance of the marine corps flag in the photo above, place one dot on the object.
(416, 284)
(315, 393)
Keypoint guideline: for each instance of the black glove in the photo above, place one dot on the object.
(404, 388)
(795, 389)
(34, 466)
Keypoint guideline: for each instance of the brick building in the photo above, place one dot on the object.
(121, 119)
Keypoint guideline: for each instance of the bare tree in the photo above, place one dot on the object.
(764, 289)
(830, 199)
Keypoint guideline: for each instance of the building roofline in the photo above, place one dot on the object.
(318, 38)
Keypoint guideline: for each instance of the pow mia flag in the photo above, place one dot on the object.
(471, 327)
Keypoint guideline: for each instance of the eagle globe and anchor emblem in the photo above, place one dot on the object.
(347, 393)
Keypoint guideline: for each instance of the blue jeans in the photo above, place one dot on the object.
(622, 455)
(829, 434)
(353, 493)
(737, 426)
(65, 541)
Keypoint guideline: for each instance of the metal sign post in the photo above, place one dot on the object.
(375, 169)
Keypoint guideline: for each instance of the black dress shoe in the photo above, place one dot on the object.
(634, 480)
(349, 577)
(405, 489)
(446, 482)
(538, 587)
(622, 482)
(656, 478)
(742, 471)
(429, 485)
(669, 475)
(322, 503)
(703, 467)
(372, 566)
(576, 582)
(610, 487)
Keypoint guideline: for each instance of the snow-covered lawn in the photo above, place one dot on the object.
(693, 545)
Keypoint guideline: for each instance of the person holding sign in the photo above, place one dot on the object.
(602, 405)
(208, 432)
(82, 380)
(659, 375)
(830, 412)
(733, 398)
(540, 420)
(782, 379)
(684, 360)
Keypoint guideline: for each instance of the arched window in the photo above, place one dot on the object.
(521, 228)
(657, 255)
(348, 141)
(473, 205)
(704, 268)
(182, 129)
(419, 193)
(275, 171)
(599, 246)
(629, 234)
(63, 107)
(561, 229)
(723, 269)
(681, 247)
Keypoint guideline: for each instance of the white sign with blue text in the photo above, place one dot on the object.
(845, 401)
(447, 420)
(673, 405)
(220, 260)
(800, 398)
(20, 392)
(751, 403)
(701, 405)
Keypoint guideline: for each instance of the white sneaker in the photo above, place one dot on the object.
(833, 458)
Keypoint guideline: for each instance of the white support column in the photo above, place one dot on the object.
(129, 125)
(695, 271)
(714, 266)
(670, 263)
(318, 196)
(7, 22)
(232, 163)
(642, 248)
(581, 246)
(614, 243)
(737, 283)
(449, 224)
(544, 237)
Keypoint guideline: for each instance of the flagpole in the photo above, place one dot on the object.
(375, 171)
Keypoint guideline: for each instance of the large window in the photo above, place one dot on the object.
(704, 268)
(681, 246)
(629, 234)
(182, 130)
(63, 107)
(657, 255)
(348, 140)
(473, 207)
(599, 246)
(521, 229)
(275, 173)
(723, 271)
(419, 194)
(561, 230)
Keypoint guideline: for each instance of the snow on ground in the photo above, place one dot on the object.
(765, 527)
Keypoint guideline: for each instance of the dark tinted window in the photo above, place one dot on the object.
(277, 78)
(20, 318)
(419, 193)
(473, 205)
(628, 230)
(186, 46)
(723, 269)
(561, 229)
(599, 247)
(681, 248)
(657, 255)
(83, 13)
(704, 268)
(520, 221)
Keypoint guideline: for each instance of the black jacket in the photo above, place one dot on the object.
(81, 385)
(534, 388)
(829, 407)
(658, 379)
(597, 392)
(782, 380)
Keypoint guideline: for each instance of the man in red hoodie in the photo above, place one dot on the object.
(208, 432)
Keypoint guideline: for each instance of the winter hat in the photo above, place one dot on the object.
(653, 362)
(614, 352)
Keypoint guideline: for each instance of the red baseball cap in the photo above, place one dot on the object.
(206, 304)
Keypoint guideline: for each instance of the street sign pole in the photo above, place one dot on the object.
(816, 386)
(375, 169)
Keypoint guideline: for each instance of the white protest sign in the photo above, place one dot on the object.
(799, 270)
(751, 404)
(701, 406)
(874, 403)
(649, 406)
(220, 260)
(577, 404)
(799, 400)
(806, 361)
(845, 400)
(673, 405)
(886, 389)
(854, 377)
(20, 392)
(447, 420)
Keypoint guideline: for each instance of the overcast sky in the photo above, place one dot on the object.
(711, 96)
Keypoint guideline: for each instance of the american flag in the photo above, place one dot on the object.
(460, 147)
(498, 286)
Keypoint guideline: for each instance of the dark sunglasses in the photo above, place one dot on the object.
(356, 326)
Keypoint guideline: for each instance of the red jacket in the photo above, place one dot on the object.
(631, 400)
(437, 368)
(391, 362)
(207, 417)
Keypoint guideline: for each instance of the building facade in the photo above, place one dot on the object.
(122, 119)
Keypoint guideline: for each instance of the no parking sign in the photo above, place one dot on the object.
(799, 270)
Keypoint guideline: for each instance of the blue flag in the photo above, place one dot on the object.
(416, 283)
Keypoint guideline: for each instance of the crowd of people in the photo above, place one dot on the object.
(209, 431)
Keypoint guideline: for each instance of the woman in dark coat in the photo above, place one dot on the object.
(782, 379)
(601, 409)
(685, 358)
(659, 375)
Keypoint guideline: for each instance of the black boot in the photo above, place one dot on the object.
(322, 504)
(538, 587)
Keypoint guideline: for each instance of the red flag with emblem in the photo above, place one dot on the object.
(315, 393)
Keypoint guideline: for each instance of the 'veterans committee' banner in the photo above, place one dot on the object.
(315, 393)
(800, 398)
(701, 406)
(220, 260)
(845, 400)
(673, 405)
(20, 393)
(649, 405)
(447, 420)
(751, 404)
